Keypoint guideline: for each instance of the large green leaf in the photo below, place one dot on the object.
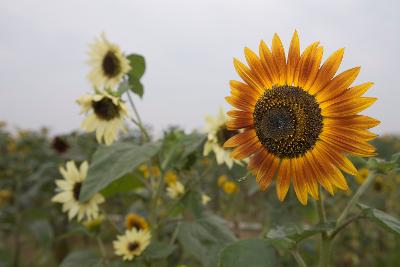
(112, 162)
(136, 86)
(158, 250)
(255, 252)
(388, 222)
(204, 239)
(124, 184)
(82, 258)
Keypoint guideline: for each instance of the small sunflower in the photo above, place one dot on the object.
(175, 190)
(170, 177)
(297, 120)
(70, 188)
(136, 221)
(132, 243)
(230, 187)
(221, 180)
(106, 115)
(108, 64)
(205, 199)
(217, 134)
(361, 175)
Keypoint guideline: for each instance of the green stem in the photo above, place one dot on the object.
(101, 247)
(139, 122)
(325, 248)
(299, 259)
(356, 197)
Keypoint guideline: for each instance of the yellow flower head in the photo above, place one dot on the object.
(296, 120)
(230, 187)
(221, 180)
(132, 243)
(170, 177)
(362, 174)
(5, 196)
(205, 199)
(106, 115)
(175, 190)
(136, 221)
(108, 64)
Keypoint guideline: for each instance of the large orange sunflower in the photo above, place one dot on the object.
(297, 120)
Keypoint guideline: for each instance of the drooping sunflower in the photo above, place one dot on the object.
(70, 188)
(217, 134)
(297, 120)
(108, 64)
(132, 243)
(107, 115)
(136, 221)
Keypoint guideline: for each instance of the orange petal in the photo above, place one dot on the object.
(240, 138)
(348, 108)
(299, 185)
(257, 68)
(278, 53)
(246, 74)
(267, 172)
(239, 104)
(247, 149)
(320, 173)
(268, 63)
(302, 68)
(293, 57)
(327, 71)
(239, 88)
(316, 62)
(238, 123)
(283, 179)
(338, 85)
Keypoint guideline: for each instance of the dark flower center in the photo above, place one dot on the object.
(105, 109)
(132, 246)
(111, 65)
(134, 224)
(59, 145)
(288, 121)
(223, 134)
(76, 190)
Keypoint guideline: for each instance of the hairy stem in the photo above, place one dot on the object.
(325, 247)
(356, 197)
(299, 259)
(138, 122)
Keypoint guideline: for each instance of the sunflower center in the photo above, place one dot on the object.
(132, 246)
(288, 121)
(223, 134)
(111, 64)
(76, 190)
(105, 109)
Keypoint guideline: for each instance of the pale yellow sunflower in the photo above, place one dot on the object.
(132, 243)
(175, 190)
(106, 115)
(217, 134)
(108, 64)
(69, 190)
(298, 121)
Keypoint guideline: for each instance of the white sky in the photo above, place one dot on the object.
(188, 45)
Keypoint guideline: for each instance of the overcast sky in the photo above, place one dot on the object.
(188, 45)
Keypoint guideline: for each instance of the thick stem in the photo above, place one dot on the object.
(325, 247)
(356, 197)
(101, 247)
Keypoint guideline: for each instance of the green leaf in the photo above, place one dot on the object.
(158, 250)
(110, 163)
(136, 86)
(124, 184)
(255, 252)
(380, 165)
(82, 258)
(388, 222)
(138, 65)
(286, 237)
(204, 238)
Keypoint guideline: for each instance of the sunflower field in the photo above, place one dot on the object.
(291, 175)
